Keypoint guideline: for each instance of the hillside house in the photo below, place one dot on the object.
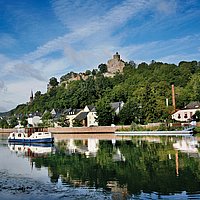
(187, 113)
(91, 116)
(71, 114)
(34, 119)
(88, 116)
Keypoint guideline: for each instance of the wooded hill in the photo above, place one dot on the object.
(143, 88)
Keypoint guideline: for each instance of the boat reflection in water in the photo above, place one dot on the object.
(123, 167)
(31, 150)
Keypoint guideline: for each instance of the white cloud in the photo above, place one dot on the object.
(115, 17)
(7, 41)
(93, 34)
(18, 92)
(173, 50)
(167, 6)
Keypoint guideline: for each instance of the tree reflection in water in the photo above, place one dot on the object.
(128, 167)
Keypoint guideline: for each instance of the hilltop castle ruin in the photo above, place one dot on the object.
(115, 64)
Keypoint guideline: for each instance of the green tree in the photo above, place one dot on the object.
(47, 118)
(77, 123)
(88, 72)
(13, 122)
(62, 121)
(94, 72)
(23, 121)
(102, 68)
(104, 112)
(130, 113)
(53, 82)
(37, 94)
(4, 123)
(197, 115)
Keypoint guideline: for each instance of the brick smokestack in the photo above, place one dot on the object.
(173, 97)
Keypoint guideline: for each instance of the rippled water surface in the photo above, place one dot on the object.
(91, 168)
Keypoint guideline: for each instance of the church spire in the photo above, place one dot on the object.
(31, 97)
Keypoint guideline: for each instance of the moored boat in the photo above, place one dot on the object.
(31, 135)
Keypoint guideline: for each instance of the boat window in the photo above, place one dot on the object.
(47, 133)
(13, 135)
(19, 135)
(39, 133)
(179, 115)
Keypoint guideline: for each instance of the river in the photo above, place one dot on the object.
(89, 167)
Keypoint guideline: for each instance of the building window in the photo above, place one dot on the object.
(185, 115)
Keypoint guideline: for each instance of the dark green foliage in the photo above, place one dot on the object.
(62, 121)
(13, 122)
(146, 86)
(102, 68)
(3, 123)
(37, 94)
(77, 123)
(197, 115)
(53, 82)
(104, 112)
(88, 72)
(131, 112)
(23, 121)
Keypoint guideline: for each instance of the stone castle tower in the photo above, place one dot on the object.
(115, 64)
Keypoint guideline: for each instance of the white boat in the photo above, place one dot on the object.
(31, 135)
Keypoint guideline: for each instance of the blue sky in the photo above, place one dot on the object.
(40, 39)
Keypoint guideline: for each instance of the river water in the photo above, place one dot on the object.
(93, 168)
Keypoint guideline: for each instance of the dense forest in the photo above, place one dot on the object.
(143, 88)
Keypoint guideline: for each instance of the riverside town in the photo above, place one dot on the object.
(111, 119)
(99, 100)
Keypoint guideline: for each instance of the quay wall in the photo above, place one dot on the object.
(6, 132)
(75, 130)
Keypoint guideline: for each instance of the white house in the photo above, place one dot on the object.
(187, 112)
(71, 114)
(34, 119)
(91, 116)
(88, 116)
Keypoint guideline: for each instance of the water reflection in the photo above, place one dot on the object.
(31, 150)
(188, 145)
(126, 167)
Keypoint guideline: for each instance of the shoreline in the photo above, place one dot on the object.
(76, 130)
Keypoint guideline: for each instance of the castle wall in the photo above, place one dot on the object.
(115, 64)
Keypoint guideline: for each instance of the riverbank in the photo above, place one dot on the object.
(76, 130)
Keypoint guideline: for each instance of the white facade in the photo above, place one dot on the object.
(92, 119)
(91, 116)
(71, 117)
(184, 115)
(34, 120)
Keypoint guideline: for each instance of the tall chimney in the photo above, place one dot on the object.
(173, 97)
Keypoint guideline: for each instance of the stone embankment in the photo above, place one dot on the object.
(75, 130)
(6, 131)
